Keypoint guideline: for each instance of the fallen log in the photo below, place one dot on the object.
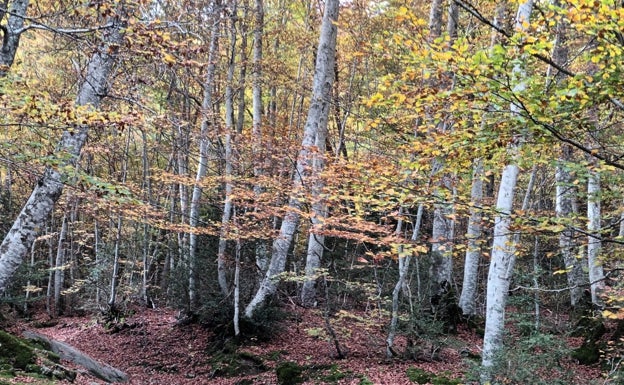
(67, 352)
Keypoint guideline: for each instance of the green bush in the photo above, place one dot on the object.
(289, 373)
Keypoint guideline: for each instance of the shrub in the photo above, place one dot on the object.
(289, 373)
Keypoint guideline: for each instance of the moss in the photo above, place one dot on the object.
(276, 355)
(418, 376)
(444, 380)
(289, 373)
(334, 375)
(421, 376)
(233, 364)
(15, 352)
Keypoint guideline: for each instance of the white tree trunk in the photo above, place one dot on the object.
(315, 132)
(467, 299)
(316, 242)
(112, 299)
(229, 132)
(563, 209)
(503, 248)
(262, 257)
(59, 269)
(443, 231)
(501, 267)
(40, 204)
(204, 145)
(442, 235)
(594, 244)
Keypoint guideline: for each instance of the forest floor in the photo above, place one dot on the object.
(152, 347)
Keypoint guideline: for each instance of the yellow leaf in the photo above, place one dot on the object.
(168, 58)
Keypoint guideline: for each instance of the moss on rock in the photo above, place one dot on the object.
(15, 352)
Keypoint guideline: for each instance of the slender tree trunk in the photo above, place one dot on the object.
(314, 134)
(467, 299)
(237, 267)
(503, 248)
(442, 235)
(147, 186)
(31, 270)
(229, 132)
(242, 82)
(401, 284)
(565, 191)
(443, 229)
(594, 243)
(262, 257)
(31, 219)
(316, 241)
(59, 269)
(96, 251)
(50, 288)
(112, 298)
(204, 144)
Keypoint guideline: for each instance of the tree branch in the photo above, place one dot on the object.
(63, 31)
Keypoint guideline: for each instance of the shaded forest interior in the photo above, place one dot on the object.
(438, 167)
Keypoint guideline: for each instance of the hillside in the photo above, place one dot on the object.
(153, 348)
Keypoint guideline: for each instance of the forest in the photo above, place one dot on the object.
(405, 182)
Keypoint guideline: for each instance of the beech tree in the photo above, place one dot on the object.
(312, 145)
(503, 246)
(93, 89)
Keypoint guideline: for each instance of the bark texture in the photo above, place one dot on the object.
(229, 133)
(564, 210)
(594, 242)
(49, 188)
(503, 248)
(204, 145)
(12, 33)
(315, 133)
(467, 299)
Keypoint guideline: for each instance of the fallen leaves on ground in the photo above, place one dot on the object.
(154, 349)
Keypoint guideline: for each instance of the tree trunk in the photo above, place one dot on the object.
(11, 33)
(401, 284)
(112, 299)
(229, 132)
(594, 243)
(262, 258)
(443, 230)
(325, 75)
(59, 268)
(204, 144)
(467, 299)
(314, 134)
(31, 219)
(503, 248)
(442, 235)
(565, 194)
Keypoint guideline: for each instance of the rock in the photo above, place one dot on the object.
(67, 352)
